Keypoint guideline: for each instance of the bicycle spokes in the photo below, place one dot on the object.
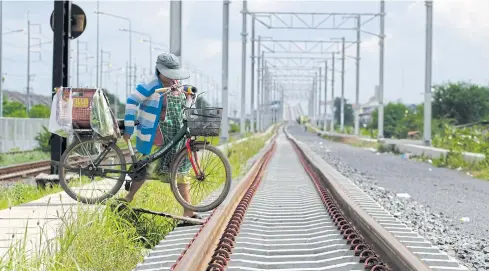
(201, 175)
(85, 167)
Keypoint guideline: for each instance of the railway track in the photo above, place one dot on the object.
(18, 172)
(290, 212)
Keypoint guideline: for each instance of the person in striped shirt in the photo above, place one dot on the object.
(157, 111)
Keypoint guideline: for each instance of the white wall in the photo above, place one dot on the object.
(20, 133)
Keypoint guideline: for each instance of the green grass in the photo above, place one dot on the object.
(106, 240)
(21, 158)
(455, 160)
(21, 193)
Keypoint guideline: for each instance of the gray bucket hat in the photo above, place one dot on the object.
(169, 66)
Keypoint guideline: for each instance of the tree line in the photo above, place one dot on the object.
(452, 103)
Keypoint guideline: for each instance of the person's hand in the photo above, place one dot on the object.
(190, 90)
(126, 137)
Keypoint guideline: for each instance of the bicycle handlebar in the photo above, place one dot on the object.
(179, 88)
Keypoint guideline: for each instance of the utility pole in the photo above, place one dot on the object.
(319, 95)
(243, 72)
(78, 63)
(282, 116)
(61, 45)
(252, 119)
(225, 70)
(272, 111)
(28, 89)
(101, 68)
(1, 55)
(28, 65)
(311, 99)
(262, 98)
(176, 29)
(98, 40)
(325, 94)
(332, 94)
(258, 85)
(380, 135)
(102, 52)
(428, 66)
(267, 95)
(357, 81)
(128, 80)
(135, 76)
(342, 113)
(262, 86)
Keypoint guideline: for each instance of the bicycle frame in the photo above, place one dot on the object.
(182, 133)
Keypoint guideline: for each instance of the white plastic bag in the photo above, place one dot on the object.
(60, 120)
(101, 118)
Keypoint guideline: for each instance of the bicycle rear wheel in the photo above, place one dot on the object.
(96, 154)
(210, 188)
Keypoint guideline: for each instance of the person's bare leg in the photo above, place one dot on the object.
(134, 189)
(184, 189)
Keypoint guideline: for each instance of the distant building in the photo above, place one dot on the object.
(368, 108)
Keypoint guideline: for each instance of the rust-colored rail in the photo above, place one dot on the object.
(199, 253)
(15, 172)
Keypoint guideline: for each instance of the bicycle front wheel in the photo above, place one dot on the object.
(94, 154)
(208, 188)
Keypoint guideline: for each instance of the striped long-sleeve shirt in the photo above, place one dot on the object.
(149, 104)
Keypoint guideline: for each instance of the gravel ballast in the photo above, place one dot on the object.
(447, 207)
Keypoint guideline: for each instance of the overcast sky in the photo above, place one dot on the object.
(461, 39)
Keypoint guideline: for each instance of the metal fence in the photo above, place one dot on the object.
(20, 133)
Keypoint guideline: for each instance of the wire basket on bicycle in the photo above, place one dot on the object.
(204, 121)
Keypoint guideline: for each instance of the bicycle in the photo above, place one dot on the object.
(197, 123)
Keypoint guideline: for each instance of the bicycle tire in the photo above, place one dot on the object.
(173, 182)
(111, 193)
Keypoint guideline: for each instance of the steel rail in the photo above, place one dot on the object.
(392, 251)
(199, 253)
